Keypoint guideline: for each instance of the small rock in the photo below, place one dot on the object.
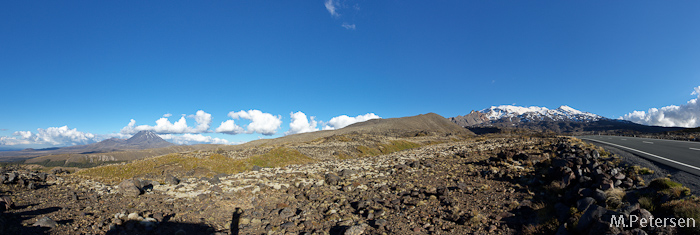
(598, 195)
(332, 179)
(592, 214)
(11, 177)
(133, 216)
(355, 229)
(492, 228)
(129, 188)
(288, 225)
(287, 212)
(380, 222)
(171, 180)
(45, 222)
(158, 216)
(214, 180)
(6, 203)
(347, 172)
(584, 203)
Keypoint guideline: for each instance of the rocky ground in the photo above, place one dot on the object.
(482, 186)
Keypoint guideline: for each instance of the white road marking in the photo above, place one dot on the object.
(695, 149)
(623, 139)
(647, 142)
(656, 156)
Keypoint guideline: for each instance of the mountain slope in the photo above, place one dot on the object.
(424, 124)
(561, 120)
(534, 113)
(140, 141)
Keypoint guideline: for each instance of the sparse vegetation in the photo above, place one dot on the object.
(684, 208)
(638, 170)
(393, 146)
(215, 163)
(665, 187)
(278, 157)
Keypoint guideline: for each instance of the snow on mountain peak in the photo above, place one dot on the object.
(534, 113)
(568, 109)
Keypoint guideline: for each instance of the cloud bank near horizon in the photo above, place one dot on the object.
(164, 126)
(261, 123)
(179, 132)
(686, 115)
(300, 123)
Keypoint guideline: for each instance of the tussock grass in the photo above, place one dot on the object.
(215, 163)
(392, 146)
(666, 186)
(638, 170)
(685, 208)
(647, 203)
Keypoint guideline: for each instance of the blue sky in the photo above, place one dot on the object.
(93, 66)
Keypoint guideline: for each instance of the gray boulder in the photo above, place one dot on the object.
(45, 222)
(129, 187)
(347, 172)
(332, 179)
(592, 214)
(172, 180)
(584, 203)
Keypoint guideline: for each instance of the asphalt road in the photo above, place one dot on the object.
(682, 155)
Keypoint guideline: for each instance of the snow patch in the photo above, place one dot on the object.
(534, 113)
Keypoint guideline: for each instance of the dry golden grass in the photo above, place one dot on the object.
(392, 146)
(216, 163)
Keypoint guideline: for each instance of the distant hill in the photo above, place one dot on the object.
(141, 140)
(429, 124)
(424, 124)
(561, 120)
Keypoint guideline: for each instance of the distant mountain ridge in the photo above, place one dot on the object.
(561, 120)
(511, 113)
(141, 140)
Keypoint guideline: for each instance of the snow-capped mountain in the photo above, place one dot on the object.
(534, 113)
(564, 119)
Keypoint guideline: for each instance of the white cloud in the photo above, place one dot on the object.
(7, 140)
(331, 7)
(50, 136)
(229, 127)
(164, 126)
(300, 124)
(63, 136)
(343, 121)
(167, 115)
(203, 121)
(262, 123)
(190, 139)
(686, 115)
(348, 26)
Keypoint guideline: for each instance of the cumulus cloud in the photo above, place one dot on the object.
(348, 26)
(164, 126)
(203, 121)
(262, 123)
(64, 136)
(8, 140)
(229, 127)
(50, 136)
(344, 120)
(331, 7)
(189, 139)
(300, 124)
(686, 115)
